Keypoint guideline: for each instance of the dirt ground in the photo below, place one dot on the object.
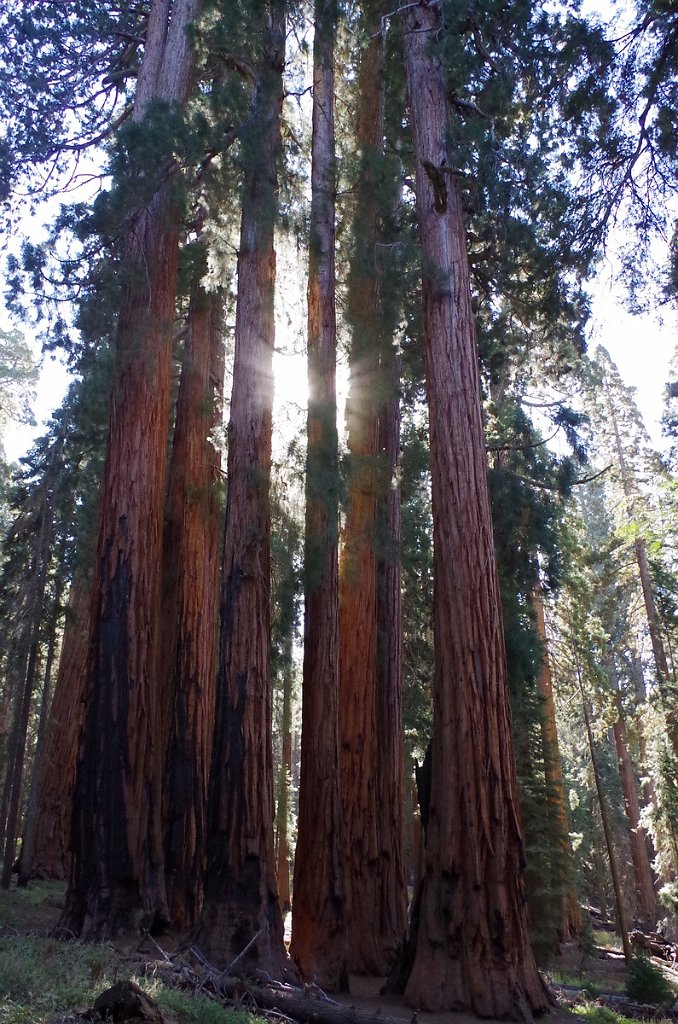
(365, 997)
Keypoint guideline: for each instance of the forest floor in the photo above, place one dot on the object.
(48, 981)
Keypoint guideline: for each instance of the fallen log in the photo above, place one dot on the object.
(300, 1004)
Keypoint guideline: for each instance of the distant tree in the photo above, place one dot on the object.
(18, 376)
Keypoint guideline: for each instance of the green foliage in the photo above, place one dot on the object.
(63, 80)
(645, 983)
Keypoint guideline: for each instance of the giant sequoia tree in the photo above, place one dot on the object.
(190, 602)
(319, 918)
(371, 754)
(472, 947)
(241, 899)
(483, 84)
(117, 874)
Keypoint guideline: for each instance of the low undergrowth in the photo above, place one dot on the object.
(601, 1015)
(43, 980)
(585, 981)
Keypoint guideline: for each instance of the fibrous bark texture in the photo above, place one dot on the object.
(282, 810)
(35, 603)
(45, 849)
(369, 708)
(472, 946)
(319, 945)
(391, 899)
(241, 899)
(117, 878)
(190, 605)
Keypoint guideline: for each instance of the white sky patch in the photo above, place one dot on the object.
(641, 345)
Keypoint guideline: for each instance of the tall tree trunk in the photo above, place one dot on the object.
(18, 665)
(391, 897)
(283, 809)
(191, 603)
(117, 879)
(46, 844)
(472, 945)
(35, 607)
(605, 817)
(241, 899)
(646, 900)
(28, 840)
(570, 923)
(358, 628)
(319, 943)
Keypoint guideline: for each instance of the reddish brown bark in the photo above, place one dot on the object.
(358, 601)
(241, 899)
(555, 786)
(45, 852)
(190, 605)
(472, 946)
(391, 898)
(607, 830)
(117, 878)
(33, 612)
(319, 943)
(646, 902)
(282, 811)
(53, 638)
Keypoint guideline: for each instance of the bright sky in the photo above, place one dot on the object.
(641, 346)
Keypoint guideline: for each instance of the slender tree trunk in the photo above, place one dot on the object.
(32, 626)
(283, 809)
(391, 900)
(28, 841)
(555, 786)
(646, 901)
(45, 852)
(117, 878)
(18, 661)
(190, 604)
(358, 627)
(319, 943)
(241, 898)
(472, 945)
(614, 870)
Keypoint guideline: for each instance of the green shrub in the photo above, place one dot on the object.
(645, 983)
